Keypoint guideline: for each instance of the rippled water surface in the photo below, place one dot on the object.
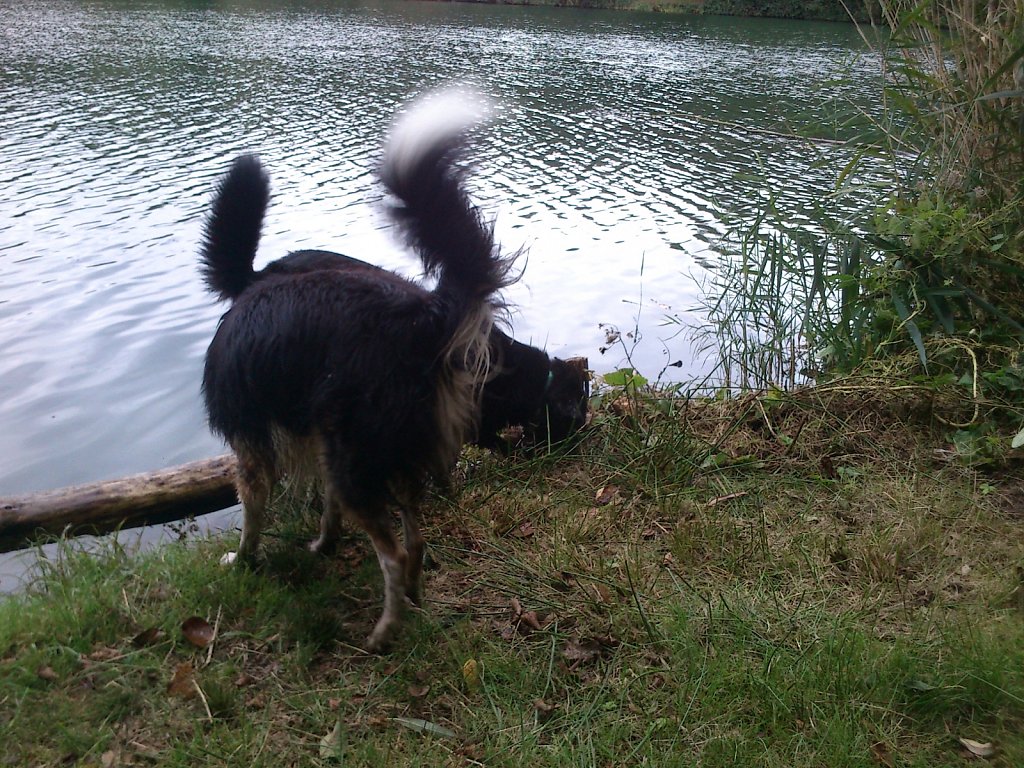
(622, 137)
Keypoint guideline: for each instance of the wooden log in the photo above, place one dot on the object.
(191, 489)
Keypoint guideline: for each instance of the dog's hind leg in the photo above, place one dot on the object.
(415, 545)
(393, 559)
(254, 481)
(330, 524)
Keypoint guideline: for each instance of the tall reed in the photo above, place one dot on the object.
(956, 69)
(938, 253)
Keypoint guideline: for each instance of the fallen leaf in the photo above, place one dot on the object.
(564, 581)
(47, 674)
(543, 709)
(149, 636)
(728, 497)
(880, 752)
(108, 759)
(524, 531)
(521, 617)
(605, 495)
(978, 748)
(183, 683)
(418, 691)
(425, 726)
(331, 744)
(604, 595)
(333, 704)
(529, 618)
(243, 680)
(197, 631)
(581, 652)
(828, 469)
(104, 653)
(471, 674)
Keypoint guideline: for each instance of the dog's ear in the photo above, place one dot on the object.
(580, 364)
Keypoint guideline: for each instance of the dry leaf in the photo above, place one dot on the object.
(108, 759)
(418, 691)
(331, 744)
(543, 709)
(728, 497)
(581, 652)
(104, 653)
(828, 469)
(880, 752)
(524, 531)
(47, 674)
(521, 617)
(197, 631)
(243, 680)
(529, 618)
(605, 495)
(978, 748)
(471, 674)
(563, 581)
(148, 637)
(183, 683)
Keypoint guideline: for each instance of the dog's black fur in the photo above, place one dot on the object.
(373, 379)
(546, 396)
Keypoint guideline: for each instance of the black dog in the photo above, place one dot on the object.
(545, 396)
(371, 378)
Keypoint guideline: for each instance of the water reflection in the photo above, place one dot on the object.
(621, 139)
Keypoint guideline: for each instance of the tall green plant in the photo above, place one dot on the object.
(952, 234)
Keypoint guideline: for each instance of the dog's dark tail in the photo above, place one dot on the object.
(232, 230)
(434, 213)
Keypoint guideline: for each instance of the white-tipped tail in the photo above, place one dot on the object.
(435, 119)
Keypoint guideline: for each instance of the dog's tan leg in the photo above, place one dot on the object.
(254, 482)
(415, 546)
(393, 558)
(330, 524)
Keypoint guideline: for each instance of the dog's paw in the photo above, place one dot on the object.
(229, 558)
(414, 596)
(381, 637)
(322, 546)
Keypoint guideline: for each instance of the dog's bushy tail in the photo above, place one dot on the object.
(434, 213)
(231, 233)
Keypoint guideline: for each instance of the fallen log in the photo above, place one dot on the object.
(191, 489)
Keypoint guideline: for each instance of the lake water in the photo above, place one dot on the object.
(622, 140)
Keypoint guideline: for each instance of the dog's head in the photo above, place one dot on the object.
(565, 404)
(532, 398)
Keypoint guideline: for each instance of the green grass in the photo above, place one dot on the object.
(686, 588)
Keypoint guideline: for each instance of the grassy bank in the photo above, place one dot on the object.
(798, 580)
